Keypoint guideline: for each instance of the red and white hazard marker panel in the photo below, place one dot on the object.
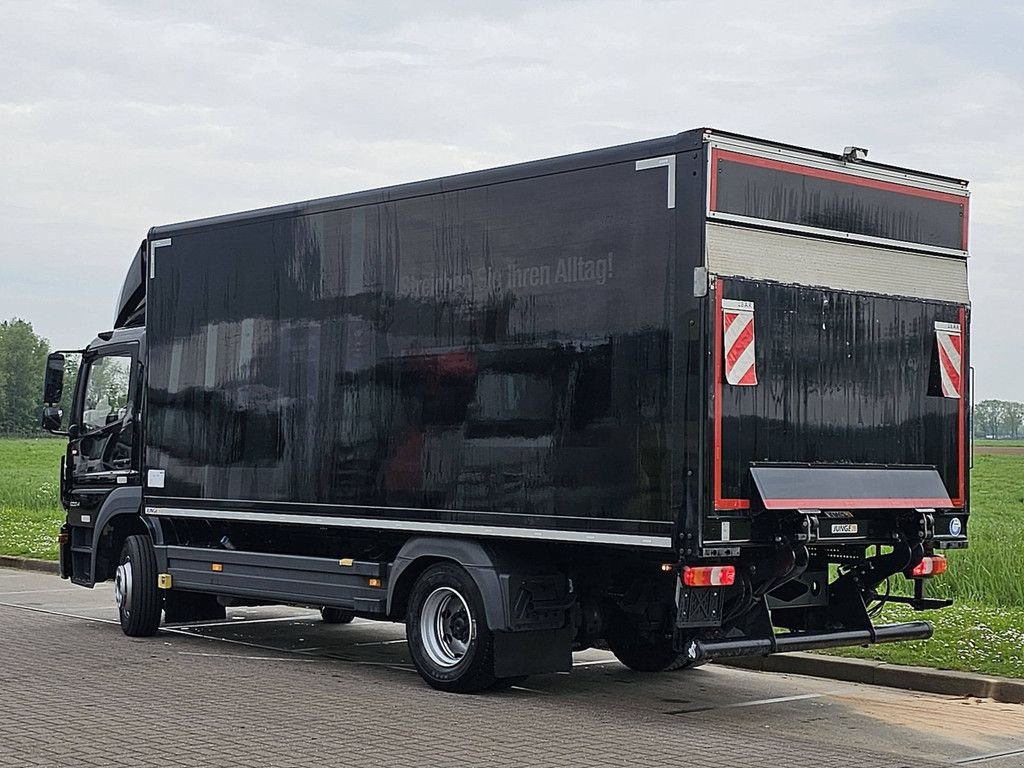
(949, 341)
(738, 322)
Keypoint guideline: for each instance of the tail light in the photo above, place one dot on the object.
(929, 566)
(709, 576)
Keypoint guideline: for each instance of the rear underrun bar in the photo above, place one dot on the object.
(807, 641)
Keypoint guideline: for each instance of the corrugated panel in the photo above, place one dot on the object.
(759, 255)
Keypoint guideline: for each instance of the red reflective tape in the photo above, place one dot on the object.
(743, 340)
(961, 433)
(721, 503)
(853, 503)
(717, 417)
(953, 375)
(740, 361)
(820, 173)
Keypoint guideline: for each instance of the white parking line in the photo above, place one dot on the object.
(33, 591)
(757, 702)
(382, 642)
(990, 756)
(58, 613)
(594, 661)
(241, 620)
(248, 658)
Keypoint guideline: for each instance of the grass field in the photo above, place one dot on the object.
(983, 632)
(30, 511)
(991, 572)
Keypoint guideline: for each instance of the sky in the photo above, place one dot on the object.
(118, 116)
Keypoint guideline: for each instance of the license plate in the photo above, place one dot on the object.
(845, 528)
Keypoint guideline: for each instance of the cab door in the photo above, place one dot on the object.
(103, 445)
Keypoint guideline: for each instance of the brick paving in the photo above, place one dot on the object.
(77, 693)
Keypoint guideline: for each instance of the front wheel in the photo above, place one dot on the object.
(449, 640)
(139, 602)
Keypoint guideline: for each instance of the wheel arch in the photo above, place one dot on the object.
(483, 566)
(118, 518)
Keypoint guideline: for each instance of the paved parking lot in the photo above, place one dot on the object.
(275, 687)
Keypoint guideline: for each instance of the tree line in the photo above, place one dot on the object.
(22, 367)
(999, 419)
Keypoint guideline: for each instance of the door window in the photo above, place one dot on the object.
(106, 392)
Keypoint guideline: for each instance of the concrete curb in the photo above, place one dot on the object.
(941, 681)
(29, 564)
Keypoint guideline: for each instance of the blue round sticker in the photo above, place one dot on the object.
(955, 527)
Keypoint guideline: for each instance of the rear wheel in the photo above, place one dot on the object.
(643, 653)
(449, 640)
(331, 615)
(138, 600)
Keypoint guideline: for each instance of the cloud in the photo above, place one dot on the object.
(116, 116)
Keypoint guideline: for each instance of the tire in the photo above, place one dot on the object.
(449, 640)
(646, 654)
(331, 615)
(139, 602)
(184, 607)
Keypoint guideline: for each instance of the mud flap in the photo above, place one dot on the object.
(532, 653)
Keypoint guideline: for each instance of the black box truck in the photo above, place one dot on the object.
(695, 397)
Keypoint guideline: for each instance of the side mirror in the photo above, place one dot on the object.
(52, 419)
(53, 383)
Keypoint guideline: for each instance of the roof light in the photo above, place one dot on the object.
(855, 154)
(929, 566)
(709, 576)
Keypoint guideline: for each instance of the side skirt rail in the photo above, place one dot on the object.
(357, 585)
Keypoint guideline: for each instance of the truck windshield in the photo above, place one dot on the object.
(106, 391)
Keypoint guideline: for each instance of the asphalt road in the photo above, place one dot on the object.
(275, 687)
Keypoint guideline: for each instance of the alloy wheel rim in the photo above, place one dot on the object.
(123, 586)
(446, 627)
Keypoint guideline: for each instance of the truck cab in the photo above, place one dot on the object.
(104, 449)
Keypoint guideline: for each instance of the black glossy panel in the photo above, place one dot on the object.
(824, 485)
(132, 301)
(503, 349)
(798, 198)
(841, 378)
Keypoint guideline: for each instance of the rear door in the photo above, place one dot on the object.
(840, 308)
